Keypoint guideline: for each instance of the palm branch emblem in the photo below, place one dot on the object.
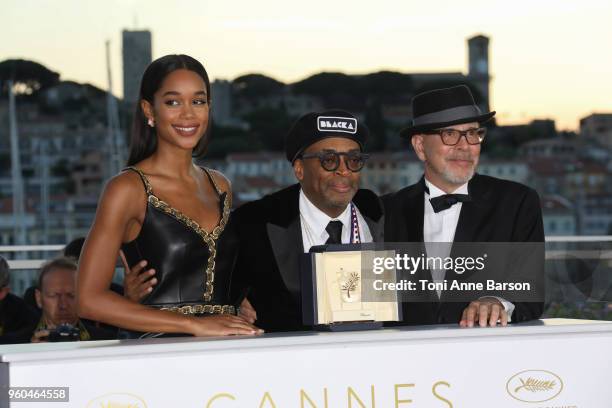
(351, 284)
(534, 385)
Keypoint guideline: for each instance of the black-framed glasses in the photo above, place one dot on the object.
(451, 137)
(330, 159)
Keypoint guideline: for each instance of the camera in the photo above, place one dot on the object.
(64, 332)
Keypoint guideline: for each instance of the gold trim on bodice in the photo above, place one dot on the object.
(209, 238)
(201, 309)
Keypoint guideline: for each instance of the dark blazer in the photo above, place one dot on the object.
(270, 236)
(15, 316)
(500, 211)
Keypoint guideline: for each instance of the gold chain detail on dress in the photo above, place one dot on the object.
(202, 309)
(145, 180)
(208, 238)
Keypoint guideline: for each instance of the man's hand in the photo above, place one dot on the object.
(247, 311)
(485, 311)
(40, 336)
(137, 282)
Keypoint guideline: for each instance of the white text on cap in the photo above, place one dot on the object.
(336, 124)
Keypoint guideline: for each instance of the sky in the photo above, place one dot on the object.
(548, 59)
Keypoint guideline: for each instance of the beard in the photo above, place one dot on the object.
(340, 200)
(453, 175)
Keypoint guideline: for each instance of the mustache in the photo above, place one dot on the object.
(461, 156)
(343, 181)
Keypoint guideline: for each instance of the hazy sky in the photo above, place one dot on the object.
(549, 59)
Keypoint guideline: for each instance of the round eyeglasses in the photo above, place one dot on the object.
(451, 137)
(330, 160)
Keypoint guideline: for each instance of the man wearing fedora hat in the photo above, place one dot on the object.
(324, 206)
(452, 203)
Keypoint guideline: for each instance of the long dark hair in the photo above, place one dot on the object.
(144, 138)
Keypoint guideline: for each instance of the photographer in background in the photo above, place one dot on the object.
(15, 314)
(56, 297)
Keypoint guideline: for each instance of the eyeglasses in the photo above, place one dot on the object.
(330, 160)
(451, 137)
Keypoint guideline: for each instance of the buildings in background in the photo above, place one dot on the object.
(574, 185)
(62, 159)
(478, 72)
(137, 55)
(559, 216)
(598, 127)
(63, 143)
(392, 110)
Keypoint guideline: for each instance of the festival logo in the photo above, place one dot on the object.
(117, 400)
(534, 386)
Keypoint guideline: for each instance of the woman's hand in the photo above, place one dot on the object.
(222, 325)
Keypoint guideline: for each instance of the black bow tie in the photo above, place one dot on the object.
(446, 201)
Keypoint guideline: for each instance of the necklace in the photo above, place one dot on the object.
(355, 234)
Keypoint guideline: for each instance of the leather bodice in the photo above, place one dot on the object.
(193, 267)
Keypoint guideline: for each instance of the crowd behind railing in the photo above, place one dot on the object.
(47, 311)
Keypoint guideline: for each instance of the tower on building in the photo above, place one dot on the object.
(136, 57)
(222, 106)
(478, 70)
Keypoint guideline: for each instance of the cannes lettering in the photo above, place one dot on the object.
(401, 397)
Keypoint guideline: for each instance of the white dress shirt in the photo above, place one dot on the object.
(314, 221)
(441, 227)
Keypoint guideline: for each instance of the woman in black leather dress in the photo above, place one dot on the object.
(169, 212)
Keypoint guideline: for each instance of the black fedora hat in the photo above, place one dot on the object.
(444, 107)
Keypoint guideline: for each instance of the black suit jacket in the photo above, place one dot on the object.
(500, 211)
(270, 236)
(16, 316)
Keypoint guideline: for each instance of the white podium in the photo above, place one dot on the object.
(542, 364)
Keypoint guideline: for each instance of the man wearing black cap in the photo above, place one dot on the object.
(325, 206)
(451, 203)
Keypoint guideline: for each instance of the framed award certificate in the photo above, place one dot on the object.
(337, 287)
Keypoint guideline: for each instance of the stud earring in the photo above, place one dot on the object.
(151, 123)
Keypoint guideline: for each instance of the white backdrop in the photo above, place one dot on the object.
(443, 367)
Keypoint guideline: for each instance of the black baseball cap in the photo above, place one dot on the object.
(315, 126)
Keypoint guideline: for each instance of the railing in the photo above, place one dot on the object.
(578, 273)
(26, 260)
(17, 262)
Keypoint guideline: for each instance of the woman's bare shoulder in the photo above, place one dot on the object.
(126, 188)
